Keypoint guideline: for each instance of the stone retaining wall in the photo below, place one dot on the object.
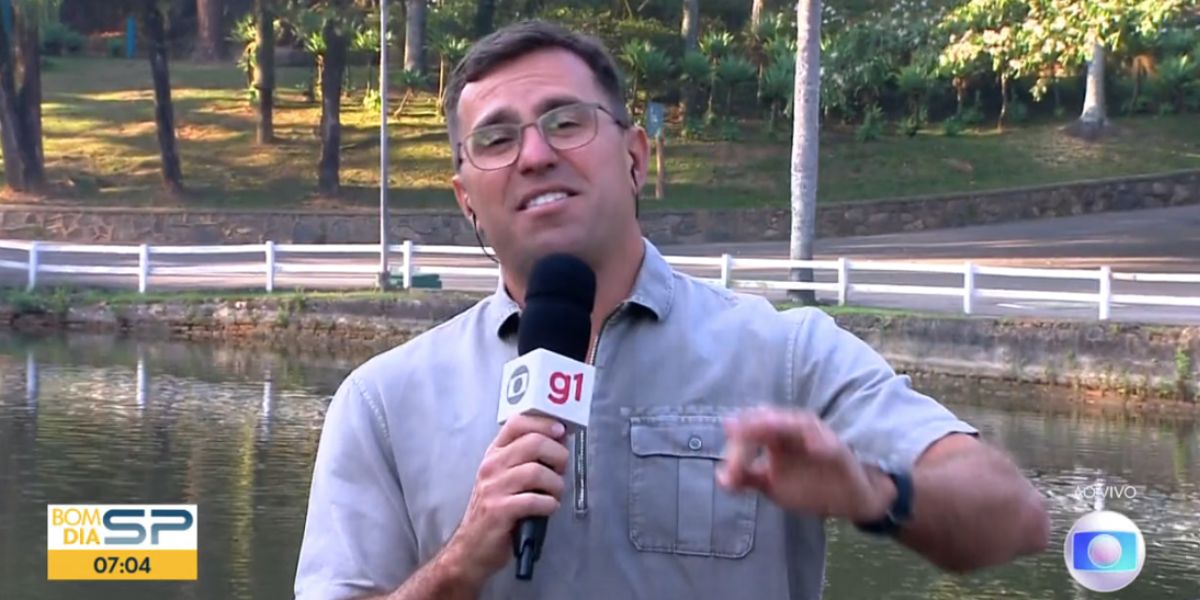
(1148, 364)
(174, 226)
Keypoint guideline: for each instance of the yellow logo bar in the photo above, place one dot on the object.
(121, 541)
(118, 566)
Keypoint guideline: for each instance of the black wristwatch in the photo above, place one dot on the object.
(898, 513)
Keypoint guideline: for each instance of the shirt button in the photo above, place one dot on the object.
(695, 443)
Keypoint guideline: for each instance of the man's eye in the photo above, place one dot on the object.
(492, 139)
(564, 123)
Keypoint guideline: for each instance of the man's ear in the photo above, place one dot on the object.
(638, 144)
(463, 199)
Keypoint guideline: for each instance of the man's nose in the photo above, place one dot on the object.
(536, 153)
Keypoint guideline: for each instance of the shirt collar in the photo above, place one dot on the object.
(653, 291)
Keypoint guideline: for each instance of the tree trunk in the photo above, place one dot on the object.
(756, 14)
(960, 91)
(21, 107)
(485, 16)
(264, 71)
(29, 98)
(805, 143)
(14, 163)
(1003, 102)
(331, 93)
(208, 25)
(414, 36)
(1093, 121)
(441, 83)
(164, 118)
(690, 29)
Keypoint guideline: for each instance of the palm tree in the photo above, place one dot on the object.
(164, 114)
(208, 13)
(414, 37)
(21, 100)
(805, 144)
(333, 63)
(690, 28)
(264, 72)
(1093, 119)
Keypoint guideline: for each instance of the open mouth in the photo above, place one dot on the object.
(545, 199)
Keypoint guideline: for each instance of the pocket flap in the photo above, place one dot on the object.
(680, 436)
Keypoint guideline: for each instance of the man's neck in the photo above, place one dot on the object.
(615, 279)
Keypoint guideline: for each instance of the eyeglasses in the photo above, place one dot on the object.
(567, 127)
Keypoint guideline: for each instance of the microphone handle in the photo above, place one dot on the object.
(527, 544)
(527, 540)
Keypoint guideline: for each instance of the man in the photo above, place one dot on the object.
(416, 487)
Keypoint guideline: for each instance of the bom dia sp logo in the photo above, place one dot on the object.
(121, 541)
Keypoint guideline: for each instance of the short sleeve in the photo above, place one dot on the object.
(858, 394)
(357, 535)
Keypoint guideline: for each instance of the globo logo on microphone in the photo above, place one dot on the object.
(516, 384)
(550, 384)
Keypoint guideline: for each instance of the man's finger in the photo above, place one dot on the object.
(787, 431)
(738, 476)
(522, 424)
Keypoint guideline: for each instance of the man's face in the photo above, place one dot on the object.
(578, 200)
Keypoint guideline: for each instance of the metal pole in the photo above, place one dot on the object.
(383, 144)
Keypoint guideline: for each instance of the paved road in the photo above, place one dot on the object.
(1151, 241)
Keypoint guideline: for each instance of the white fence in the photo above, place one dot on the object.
(274, 261)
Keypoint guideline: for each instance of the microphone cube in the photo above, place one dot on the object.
(545, 383)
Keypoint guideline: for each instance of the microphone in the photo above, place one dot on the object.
(550, 377)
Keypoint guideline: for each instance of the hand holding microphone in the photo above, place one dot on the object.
(545, 393)
(549, 378)
(521, 476)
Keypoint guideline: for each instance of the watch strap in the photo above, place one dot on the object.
(899, 511)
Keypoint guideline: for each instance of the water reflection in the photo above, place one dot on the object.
(234, 430)
(1061, 450)
(102, 420)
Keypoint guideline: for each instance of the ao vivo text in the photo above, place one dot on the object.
(1090, 492)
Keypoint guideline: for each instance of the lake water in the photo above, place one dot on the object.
(91, 419)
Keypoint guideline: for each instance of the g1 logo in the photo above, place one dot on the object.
(560, 387)
(518, 382)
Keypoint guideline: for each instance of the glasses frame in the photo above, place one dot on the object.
(521, 127)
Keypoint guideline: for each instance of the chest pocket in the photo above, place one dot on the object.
(675, 503)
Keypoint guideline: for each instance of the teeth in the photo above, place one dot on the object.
(546, 199)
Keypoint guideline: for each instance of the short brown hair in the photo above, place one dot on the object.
(516, 40)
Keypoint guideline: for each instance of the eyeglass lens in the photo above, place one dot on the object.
(563, 128)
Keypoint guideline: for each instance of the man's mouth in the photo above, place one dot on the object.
(545, 199)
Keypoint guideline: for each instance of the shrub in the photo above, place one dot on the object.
(872, 125)
(58, 39)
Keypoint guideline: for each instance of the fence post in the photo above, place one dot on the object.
(843, 275)
(407, 264)
(143, 267)
(968, 287)
(726, 270)
(1105, 291)
(269, 270)
(33, 266)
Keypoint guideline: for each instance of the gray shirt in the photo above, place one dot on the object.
(642, 515)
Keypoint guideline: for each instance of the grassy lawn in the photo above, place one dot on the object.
(101, 149)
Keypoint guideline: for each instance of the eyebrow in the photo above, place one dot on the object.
(508, 115)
